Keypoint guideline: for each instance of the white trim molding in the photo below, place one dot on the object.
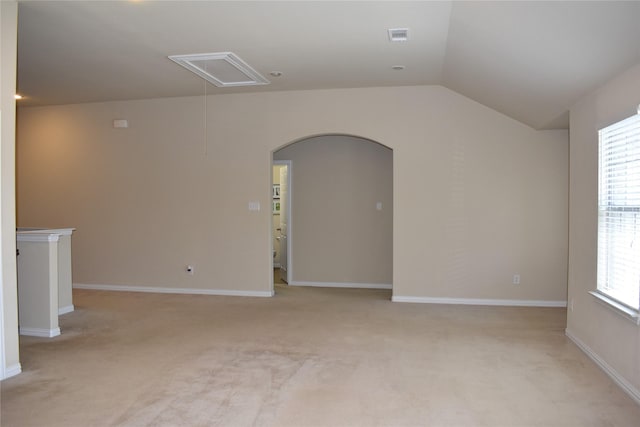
(161, 290)
(38, 332)
(477, 301)
(342, 285)
(12, 371)
(60, 231)
(37, 237)
(42, 234)
(65, 310)
(621, 309)
(633, 392)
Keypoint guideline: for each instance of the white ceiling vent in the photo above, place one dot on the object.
(398, 34)
(223, 69)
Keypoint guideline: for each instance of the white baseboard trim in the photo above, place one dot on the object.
(12, 371)
(476, 301)
(38, 332)
(159, 290)
(65, 310)
(342, 285)
(633, 392)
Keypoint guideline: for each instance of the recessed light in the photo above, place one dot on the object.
(17, 96)
(276, 73)
(398, 67)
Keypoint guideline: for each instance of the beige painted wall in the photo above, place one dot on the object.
(338, 235)
(9, 321)
(477, 195)
(609, 336)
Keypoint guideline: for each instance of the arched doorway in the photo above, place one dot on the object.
(340, 228)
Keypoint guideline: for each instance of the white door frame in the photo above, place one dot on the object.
(2, 353)
(288, 164)
(3, 370)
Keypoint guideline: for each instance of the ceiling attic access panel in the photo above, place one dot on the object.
(223, 69)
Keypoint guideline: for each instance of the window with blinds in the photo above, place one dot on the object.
(619, 212)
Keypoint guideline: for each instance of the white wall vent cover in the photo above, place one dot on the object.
(223, 69)
(398, 34)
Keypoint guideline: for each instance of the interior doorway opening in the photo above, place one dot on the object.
(339, 219)
(281, 214)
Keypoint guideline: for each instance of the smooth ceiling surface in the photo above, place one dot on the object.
(528, 60)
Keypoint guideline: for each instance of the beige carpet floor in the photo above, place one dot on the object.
(307, 357)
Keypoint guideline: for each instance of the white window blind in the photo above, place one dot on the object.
(619, 212)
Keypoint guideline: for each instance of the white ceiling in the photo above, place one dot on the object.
(528, 60)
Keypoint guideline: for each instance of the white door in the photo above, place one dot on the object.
(284, 223)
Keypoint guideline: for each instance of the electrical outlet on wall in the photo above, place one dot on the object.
(516, 279)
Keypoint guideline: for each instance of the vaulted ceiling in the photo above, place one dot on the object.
(528, 60)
